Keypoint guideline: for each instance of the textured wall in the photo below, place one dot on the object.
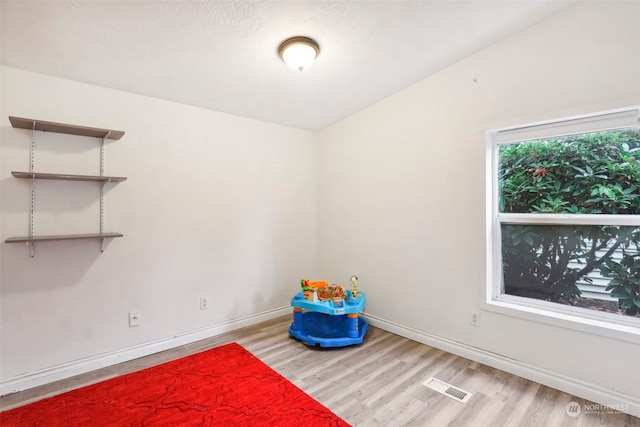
(402, 188)
(214, 205)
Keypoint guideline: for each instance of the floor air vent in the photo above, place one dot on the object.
(448, 390)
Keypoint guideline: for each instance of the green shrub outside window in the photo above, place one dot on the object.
(587, 174)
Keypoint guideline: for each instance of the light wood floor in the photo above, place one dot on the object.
(379, 383)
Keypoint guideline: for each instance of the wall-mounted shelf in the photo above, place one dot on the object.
(31, 124)
(27, 239)
(68, 177)
(74, 130)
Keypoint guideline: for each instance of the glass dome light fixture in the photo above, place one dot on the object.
(299, 52)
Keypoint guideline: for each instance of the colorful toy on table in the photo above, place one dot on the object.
(321, 291)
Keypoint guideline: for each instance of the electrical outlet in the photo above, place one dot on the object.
(134, 318)
(475, 318)
(204, 303)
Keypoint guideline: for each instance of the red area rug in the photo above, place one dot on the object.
(224, 386)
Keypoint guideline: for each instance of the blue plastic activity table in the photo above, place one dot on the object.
(326, 324)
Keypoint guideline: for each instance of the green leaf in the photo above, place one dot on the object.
(620, 293)
(632, 311)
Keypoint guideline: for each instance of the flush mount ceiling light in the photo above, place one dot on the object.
(299, 52)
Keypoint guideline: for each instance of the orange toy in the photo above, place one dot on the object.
(323, 290)
(331, 292)
(309, 288)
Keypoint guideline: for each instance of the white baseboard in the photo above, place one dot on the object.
(569, 385)
(55, 373)
(573, 386)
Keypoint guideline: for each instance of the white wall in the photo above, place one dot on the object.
(401, 191)
(227, 207)
(214, 205)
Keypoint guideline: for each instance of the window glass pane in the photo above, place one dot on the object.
(592, 173)
(590, 266)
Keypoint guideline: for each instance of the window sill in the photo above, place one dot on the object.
(540, 312)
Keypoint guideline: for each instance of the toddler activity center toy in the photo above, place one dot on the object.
(328, 315)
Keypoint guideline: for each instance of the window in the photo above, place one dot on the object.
(564, 225)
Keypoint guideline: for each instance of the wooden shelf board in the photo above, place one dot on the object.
(62, 237)
(41, 125)
(67, 177)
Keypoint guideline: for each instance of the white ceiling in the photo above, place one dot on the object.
(222, 55)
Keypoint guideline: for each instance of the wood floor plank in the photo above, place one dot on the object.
(518, 401)
(378, 383)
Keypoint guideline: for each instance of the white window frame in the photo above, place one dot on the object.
(591, 321)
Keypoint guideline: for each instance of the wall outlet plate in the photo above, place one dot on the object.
(475, 318)
(134, 318)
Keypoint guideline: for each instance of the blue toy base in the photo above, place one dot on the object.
(327, 330)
